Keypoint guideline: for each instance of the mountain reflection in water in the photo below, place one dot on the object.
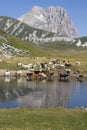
(35, 94)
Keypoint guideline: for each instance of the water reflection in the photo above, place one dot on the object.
(20, 92)
(7, 79)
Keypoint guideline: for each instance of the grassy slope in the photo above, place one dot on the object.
(62, 46)
(43, 119)
(64, 49)
(16, 42)
(34, 51)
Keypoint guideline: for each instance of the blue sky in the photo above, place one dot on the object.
(76, 9)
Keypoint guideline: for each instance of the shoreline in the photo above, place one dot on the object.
(24, 74)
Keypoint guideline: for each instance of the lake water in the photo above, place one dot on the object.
(42, 94)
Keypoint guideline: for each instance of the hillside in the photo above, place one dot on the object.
(27, 33)
(47, 43)
(11, 46)
(66, 45)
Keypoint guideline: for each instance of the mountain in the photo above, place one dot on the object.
(52, 19)
(27, 33)
(11, 46)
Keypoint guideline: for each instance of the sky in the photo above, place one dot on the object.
(76, 10)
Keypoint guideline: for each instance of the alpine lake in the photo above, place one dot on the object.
(18, 92)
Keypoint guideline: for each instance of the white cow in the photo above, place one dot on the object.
(7, 73)
(29, 66)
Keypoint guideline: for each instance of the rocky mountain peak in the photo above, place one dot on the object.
(52, 19)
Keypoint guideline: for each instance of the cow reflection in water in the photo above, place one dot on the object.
(21, 81)
(7, 79)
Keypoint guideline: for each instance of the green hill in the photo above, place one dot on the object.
(29, 48)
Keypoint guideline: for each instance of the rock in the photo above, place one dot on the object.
(53, 19)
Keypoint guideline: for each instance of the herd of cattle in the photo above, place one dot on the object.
(48, 70)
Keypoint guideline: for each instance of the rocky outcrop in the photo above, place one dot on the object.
(52, 19)
(10, 51)
(7, 49)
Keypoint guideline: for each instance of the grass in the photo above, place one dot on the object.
(43, 119)
(17, 43)
(77, 56)
(33, 50)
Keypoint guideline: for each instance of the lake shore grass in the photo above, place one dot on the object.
(43, 119)
(12, 64)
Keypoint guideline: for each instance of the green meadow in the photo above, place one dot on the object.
(43, 119)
